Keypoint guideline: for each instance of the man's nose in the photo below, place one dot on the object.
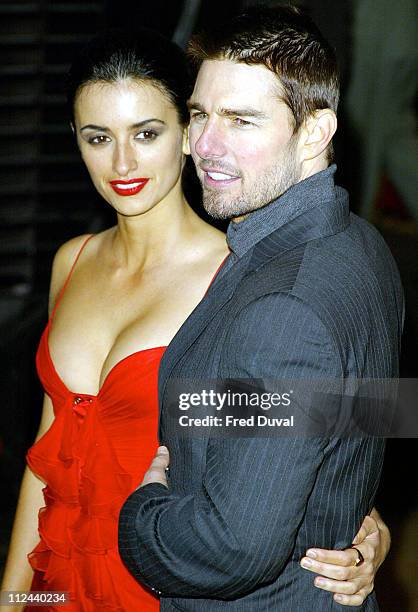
(125, 159)
(211, 142)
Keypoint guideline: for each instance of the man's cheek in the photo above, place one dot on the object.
(252, 161)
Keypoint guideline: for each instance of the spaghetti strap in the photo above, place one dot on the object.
(67, 280)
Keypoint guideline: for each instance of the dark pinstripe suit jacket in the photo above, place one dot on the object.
(315, 296)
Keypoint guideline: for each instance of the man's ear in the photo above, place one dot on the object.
(186, 144)
(317, 133)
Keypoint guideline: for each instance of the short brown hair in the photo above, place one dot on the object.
(287, 42)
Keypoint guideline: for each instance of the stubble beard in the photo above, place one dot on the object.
(268, 187)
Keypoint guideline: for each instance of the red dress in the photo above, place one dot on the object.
(92, 457)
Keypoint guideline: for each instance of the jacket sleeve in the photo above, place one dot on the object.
(238, 531)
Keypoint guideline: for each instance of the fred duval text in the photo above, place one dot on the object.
(231, 421)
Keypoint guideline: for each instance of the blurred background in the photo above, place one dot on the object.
(46, 197)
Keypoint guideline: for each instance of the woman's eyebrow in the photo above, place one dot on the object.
(91, 126)
(145, 121)
(140, 124)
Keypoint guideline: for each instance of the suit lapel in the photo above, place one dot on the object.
(320, 221)
(217, 295)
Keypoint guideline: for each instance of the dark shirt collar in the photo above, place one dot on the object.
(310, 192)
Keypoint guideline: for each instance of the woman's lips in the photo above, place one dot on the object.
(128, 188)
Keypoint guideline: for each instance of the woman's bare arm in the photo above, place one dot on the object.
(18, 573)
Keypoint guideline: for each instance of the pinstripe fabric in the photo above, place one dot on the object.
(311, 297)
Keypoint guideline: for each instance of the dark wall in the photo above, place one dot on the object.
(54, 201)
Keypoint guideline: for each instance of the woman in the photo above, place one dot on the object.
(116, 300)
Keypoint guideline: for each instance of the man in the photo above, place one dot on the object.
(309, 292)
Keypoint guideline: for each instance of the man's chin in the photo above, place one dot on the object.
(226, 208)
(217, 213)
(217, 207)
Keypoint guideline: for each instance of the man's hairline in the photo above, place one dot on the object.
(279, 94)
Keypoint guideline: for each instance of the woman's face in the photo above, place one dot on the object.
(132, 143)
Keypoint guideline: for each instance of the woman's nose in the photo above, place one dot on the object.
(125, 159)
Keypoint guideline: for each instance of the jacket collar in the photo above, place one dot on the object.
(299, 199)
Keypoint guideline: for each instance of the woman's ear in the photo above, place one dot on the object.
(72, 126)
(186, 145)
(318, 131)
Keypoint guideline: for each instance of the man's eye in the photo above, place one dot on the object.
(198, 116)
(146, 135)
(100, 139)
(241, 122)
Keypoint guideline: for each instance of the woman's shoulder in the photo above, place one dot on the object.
(216, 244)
(66, 254)
(208, 251)
(63, 262)
(208, 236)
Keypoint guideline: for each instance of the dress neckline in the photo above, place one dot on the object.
(118, 363)
(108, 375)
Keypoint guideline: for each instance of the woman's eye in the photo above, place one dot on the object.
(146, 135)
(101, 139)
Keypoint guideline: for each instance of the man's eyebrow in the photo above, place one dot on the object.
(191, 104)
(134, 126)
(230, 112)
(243, 112)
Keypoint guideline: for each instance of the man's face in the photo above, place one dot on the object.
(241, 138)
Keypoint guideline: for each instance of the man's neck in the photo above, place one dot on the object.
(308, 169)
(299, 198)
(313, 166)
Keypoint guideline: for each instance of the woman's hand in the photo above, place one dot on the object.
(338, 571)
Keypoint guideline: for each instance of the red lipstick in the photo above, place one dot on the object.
(128, 188)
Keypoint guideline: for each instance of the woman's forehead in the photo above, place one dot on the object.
(123, 98)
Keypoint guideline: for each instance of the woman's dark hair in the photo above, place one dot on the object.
(140, 54)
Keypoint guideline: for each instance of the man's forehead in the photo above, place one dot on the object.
(229, 84)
